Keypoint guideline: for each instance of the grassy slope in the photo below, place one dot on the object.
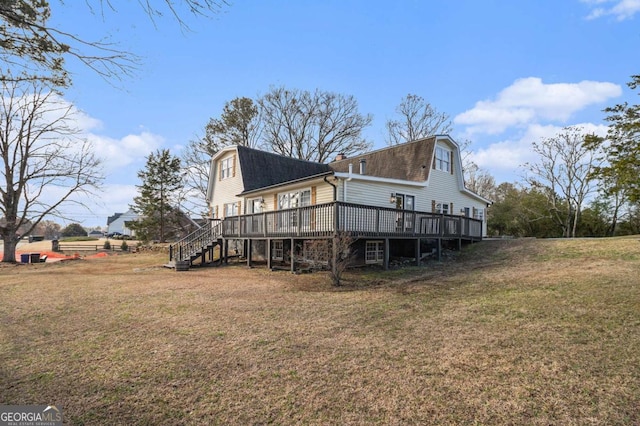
(526, 332)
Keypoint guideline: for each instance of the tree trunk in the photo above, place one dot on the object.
(9, 244)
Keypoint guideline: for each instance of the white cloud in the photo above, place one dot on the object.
(620, 9)
(504, 159)
(529, 100)
(118, 153)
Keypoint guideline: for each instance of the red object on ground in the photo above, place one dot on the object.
(53, 256)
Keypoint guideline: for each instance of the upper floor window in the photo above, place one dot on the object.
(226, 168)
(443, 159)
(478, 214)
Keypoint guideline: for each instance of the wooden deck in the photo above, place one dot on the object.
(325, 221)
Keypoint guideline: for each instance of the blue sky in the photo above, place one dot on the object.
(507, 72)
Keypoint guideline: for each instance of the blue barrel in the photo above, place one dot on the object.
(24, 258)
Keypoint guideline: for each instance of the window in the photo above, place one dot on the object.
(478, 214)
(255, 205)
(442, 208)
(278, 250)
(410, 202)
(374, 252)
(405, 220)
(231, 209)
(405, 202)
(226, 168)
(294, 199)
(443, 160)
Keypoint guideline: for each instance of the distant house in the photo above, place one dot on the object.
(96, 234)
(394, 202)
(118, 223)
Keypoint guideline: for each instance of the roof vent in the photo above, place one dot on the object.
(363, 166)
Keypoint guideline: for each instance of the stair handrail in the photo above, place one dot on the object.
(196, 241)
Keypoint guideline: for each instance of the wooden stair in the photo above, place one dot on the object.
(196, 245)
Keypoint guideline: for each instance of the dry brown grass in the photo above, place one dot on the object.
(516, 332)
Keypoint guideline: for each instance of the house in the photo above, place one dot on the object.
(117, 224)
(401, 201)
(96, 234)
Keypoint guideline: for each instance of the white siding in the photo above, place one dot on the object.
(118, 225)
(443, 187)
(324, 193)
(225, 190)
(379, 193)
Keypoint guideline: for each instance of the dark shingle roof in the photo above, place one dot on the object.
(111, 219)
(262, 169)
(408, 161)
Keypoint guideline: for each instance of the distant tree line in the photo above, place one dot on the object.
(583, 185)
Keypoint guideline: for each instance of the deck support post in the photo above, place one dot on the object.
(417, 251)
(334, 255)
(248, 253)
(225, 251)
(439, 249)
(459, 244)
(292, 256)
(268, 247)
(386, 254)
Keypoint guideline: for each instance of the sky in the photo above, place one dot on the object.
(508, 73)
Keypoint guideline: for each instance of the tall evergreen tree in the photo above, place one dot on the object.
(161, 181)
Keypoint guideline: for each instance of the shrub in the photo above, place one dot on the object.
(74, 230)
(124, 246)
(107, 245)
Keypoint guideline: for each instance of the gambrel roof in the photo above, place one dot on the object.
(409, 161)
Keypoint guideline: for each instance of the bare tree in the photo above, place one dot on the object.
(476, 178)
(417, 119)
(479, 181)
(312, 126)
(44, 163)
(32, 49)
(564, 174)
(196, 158)
(342, 256)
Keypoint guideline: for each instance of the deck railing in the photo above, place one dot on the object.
(194, 243)
(322, 220)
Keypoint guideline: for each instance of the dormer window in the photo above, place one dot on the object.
(443, 160)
